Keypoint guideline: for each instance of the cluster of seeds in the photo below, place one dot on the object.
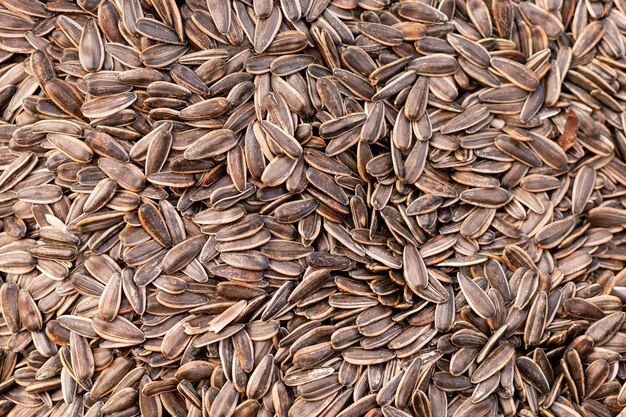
(312, 208)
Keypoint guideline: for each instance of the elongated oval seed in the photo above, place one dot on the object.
(516, 73)
(478, 300)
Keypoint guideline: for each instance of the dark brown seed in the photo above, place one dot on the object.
(65, 96)
(154, 224)
(211, 144)
(516, 73)
(478, 300)
(91, 48)
(10, 306)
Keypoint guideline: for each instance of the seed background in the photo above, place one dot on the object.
(340, 208)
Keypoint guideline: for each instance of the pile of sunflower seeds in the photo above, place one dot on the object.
(302, 208)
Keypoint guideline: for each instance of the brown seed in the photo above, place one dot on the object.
(435, 65)
(120, 331)
(41, 194)
(101, 195)
(156, 30)
(584, 183)
(82, 357)
(261, 378)
(154, 224)
(29, 314)
(587, 39)
(496, 360)
(91, 47)
(9, 293)
(205, 109)
(213, 143)
(266, 30)
(421, 13)
(536, 321)
(225, 402)
(161, 55)
(107, 106)
(478, 300)
(516, 73)
(110, 299)
(415, 273)
(486, 197)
